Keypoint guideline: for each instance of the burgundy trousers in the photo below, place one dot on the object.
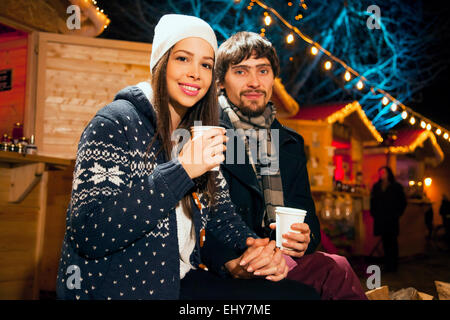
(330, 274)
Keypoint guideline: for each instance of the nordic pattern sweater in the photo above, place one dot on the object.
(121, 229)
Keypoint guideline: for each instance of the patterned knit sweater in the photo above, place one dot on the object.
(121, 234)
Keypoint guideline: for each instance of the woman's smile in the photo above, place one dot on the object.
(189, 89)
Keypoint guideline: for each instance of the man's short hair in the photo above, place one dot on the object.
(241, 46)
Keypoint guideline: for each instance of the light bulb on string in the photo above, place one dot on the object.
(428, 127)
(394, 107)
(404, 114)
(267, 20)
(359, 85)
(347, 76)
(327, 65)
(438, 132)
(423, 124)
(314, 50)
(412, 120)
(385, 101)
(446, 136)
(290, 38)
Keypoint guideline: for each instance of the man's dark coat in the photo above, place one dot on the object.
(247, 196)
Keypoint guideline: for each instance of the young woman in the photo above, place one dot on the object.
(137, 208)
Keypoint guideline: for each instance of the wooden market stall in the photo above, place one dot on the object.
(335, 136)
(409, 154)
(52, 84)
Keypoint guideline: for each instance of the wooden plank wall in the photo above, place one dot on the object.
(13, 55)
(58, 197)
(18, 233)
(80, 76)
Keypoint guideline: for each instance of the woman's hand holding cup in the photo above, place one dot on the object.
(204, 151)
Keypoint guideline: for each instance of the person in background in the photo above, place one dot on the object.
(387, 204)
(138, 203)
(247, 65)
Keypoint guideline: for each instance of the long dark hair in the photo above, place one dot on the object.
(391, 177)
(206, 111)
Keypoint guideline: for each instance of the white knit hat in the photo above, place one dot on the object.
(172, 28)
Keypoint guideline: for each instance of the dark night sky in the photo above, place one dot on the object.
(434, 100)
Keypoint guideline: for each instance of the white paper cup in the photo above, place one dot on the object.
(197, 131)
(285, 217)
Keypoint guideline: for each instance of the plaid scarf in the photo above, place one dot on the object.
(269, 179)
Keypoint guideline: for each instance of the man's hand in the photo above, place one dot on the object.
(262, 258)
(298, 242)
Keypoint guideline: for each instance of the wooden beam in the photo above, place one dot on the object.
(16, 25)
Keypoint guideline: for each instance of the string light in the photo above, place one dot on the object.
(438, 132)
(91, 4)
(394, 107)
(446, 136)
(423, 124)
(290, 38)
(404, 114)
(314, 50)
(412, 120)
(267, 20)
(327, 65)
(347, 76)
(303, 4)
(428, 182)
(385, 101)
(428, 127)
(359, 85)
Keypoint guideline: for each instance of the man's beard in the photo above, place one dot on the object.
(251, 112)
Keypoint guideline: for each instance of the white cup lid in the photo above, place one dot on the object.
(202, 128)
(293, 211)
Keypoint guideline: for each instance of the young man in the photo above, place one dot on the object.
(247, 65)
